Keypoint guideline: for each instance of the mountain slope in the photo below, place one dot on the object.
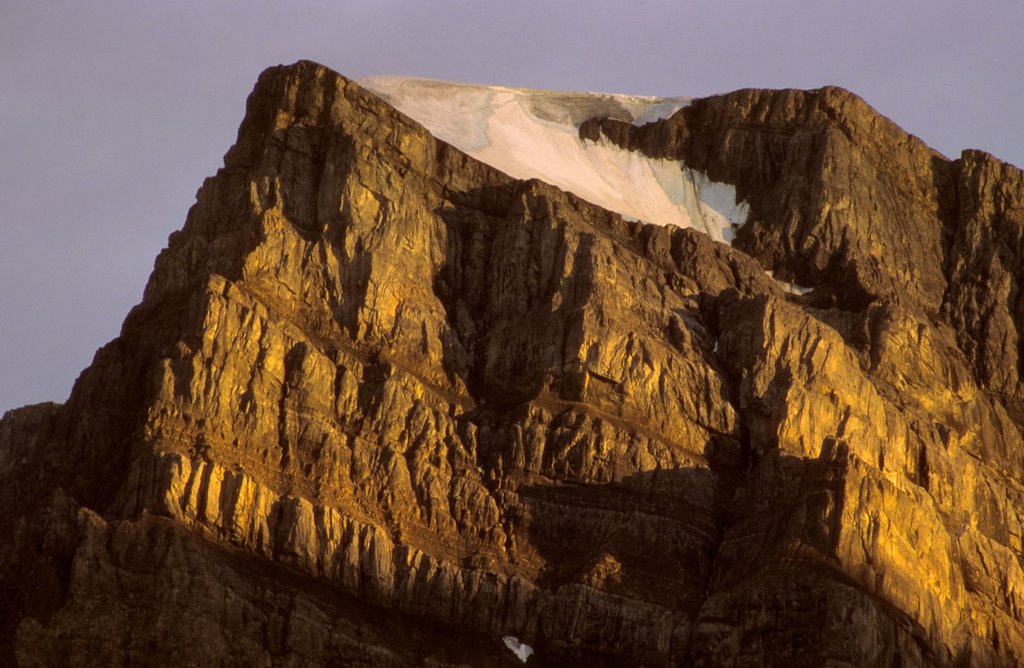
(383, 404)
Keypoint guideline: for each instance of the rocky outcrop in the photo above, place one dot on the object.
(840, 197)
(984, 266)
(382, 404)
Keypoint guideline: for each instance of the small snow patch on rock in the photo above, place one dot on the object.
(791, 288)
(520, 649)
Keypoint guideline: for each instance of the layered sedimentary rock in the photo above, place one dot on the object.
(383, 404)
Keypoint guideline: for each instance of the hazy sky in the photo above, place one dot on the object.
(112, 113)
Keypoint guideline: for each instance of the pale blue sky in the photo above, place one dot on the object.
(112, 113)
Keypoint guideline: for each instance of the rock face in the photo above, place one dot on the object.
(382, 404)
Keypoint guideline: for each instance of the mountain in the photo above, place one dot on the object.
(394, 399)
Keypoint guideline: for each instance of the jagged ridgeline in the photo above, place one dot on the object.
(397, 399)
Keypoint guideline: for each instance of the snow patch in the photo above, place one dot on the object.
(791, 288)
(535, 134)
(520, 649)
(655, 109)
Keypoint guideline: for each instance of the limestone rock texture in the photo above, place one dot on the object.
(383, 405)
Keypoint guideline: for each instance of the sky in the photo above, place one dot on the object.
(113, 113)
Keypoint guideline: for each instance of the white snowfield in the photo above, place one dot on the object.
(535, 134)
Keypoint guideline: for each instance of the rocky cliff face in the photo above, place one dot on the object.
(382, 404)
